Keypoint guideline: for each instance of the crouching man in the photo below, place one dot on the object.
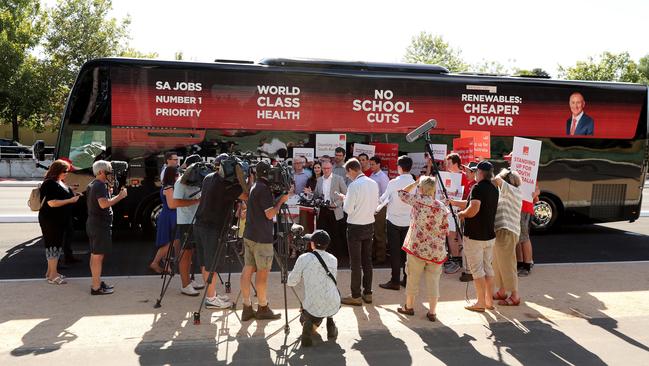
(321, 296)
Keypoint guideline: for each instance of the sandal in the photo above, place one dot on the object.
(404, 310)
(509, 302)
(499, 296)
(477, 309)
(58, 280)
(431, 317)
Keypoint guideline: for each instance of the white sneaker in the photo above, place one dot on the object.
(197, 286)
(224, 298)
(216, 303)
(189, 290)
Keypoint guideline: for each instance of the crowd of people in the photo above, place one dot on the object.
(369, 218)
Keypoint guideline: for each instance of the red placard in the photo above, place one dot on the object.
(389, 153)
(481, 142)
(464, 148)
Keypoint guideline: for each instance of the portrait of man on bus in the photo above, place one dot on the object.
(579, 123)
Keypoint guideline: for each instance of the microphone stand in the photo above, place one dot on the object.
(435, 171)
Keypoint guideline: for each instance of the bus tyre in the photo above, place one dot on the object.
(149, 216)
(546, 214)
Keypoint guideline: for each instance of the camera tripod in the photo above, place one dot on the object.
(228, 240)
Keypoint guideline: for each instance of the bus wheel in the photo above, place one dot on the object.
(149, 217)
(546, 214)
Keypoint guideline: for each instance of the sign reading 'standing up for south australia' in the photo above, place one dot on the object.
(383, 108)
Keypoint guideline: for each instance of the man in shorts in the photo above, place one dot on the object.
(100, 221)
(258, 244)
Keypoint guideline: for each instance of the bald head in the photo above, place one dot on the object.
(577, 103)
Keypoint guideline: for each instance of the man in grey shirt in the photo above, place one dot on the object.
(299, 174)
(339, 165)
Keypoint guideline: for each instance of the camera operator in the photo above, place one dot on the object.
(100, 222)
(185, 200)
(211, 218)
(258, 243)
(330, 218)
(360, 203)
(321, 297)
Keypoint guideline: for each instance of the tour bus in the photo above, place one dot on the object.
(135, 110)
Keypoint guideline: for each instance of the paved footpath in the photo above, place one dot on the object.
(587, 314)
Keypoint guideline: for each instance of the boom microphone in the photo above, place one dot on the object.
(417, 132)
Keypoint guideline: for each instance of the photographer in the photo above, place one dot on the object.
(100, 222)
(321, 297)
(258, 243)
(185, 200)
(211, 219)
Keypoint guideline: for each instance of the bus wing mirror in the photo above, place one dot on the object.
(39, 150)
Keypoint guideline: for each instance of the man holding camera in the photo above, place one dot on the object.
(258, 244)
(212, 219)
(321, 296)
(360, 203)
(100, 221)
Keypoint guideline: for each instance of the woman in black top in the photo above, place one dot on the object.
(317, 173)
(55, 215)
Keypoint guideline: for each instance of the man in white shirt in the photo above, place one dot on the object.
(360, 204)
(330, 218)
(398, 217)
(321, 295)
(379, 176)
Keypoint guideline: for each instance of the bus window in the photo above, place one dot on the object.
(90, 100)
(85, 147)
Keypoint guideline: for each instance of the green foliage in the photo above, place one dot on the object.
(643, 67)
(490, 67)
(538, 72)
(607, 67)
(428, 49)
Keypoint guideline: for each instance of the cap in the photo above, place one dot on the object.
(485, 165)
(262, 169)
(191, 159)
(472, 166)
(319, 237)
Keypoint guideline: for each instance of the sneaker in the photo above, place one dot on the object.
(367, 298)
(451, 267)
(106, 286)
(332, 330)
(523, 272)
(349, 300)
(264, 312)
(58, 280)
(189, 290)
(390, 285)
(216, 303)
(247, 313)
(223, 297)
(466, 277)
(101, 291)
(197, 286)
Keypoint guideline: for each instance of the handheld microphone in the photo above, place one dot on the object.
(417, 132)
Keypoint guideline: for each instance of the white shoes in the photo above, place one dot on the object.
(189, 290)
(217, 302)
(197, 286)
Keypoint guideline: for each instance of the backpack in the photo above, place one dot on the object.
(35, 202)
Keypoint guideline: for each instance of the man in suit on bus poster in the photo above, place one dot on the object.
(579, 123)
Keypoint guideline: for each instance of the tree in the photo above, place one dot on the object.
(490, 67)
(536, 72)
(428, 49)
(21, 28)
(607, 67)
(643, 67)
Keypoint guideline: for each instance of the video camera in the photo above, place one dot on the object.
(280, 178)
(297, 235)
(120, 170)
(196, 173)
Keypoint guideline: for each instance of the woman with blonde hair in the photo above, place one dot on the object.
(425, 243)
(508, 228)
(54, 216)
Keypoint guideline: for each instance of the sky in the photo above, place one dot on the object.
(518, 34)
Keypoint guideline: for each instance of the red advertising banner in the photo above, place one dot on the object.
(481, 142)
(257, 98)
(389, 153)
(464, 148)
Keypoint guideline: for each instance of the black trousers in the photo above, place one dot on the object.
(314, 319)
(327, 221)
(396, 236)
(359, 242)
